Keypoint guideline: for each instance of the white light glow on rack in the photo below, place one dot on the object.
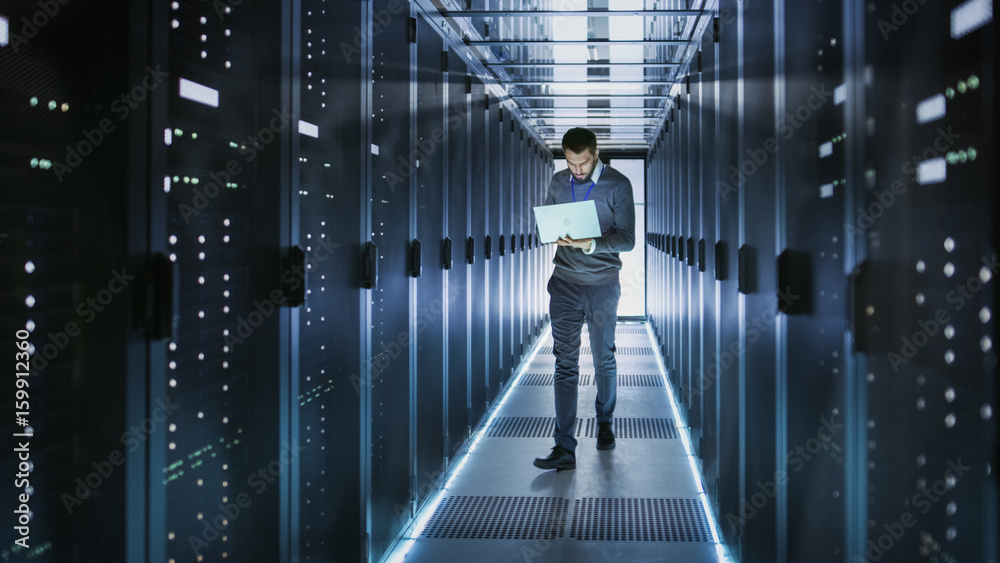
(930, 109)
(840, 94)
(199, 93)
(826, 149)
(310, 129)
(4, 31)
(970, 16)
(933, 171)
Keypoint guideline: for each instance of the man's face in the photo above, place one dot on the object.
(581, 164)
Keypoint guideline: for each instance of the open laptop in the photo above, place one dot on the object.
(577, 220)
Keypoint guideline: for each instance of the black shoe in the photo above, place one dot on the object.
(559, 459)
(605, 436)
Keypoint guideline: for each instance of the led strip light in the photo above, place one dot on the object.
(720, 549)
(397, 554)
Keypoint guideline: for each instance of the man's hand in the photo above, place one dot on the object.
(582, 244)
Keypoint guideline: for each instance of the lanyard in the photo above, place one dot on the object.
(573, 189)
(597, 171)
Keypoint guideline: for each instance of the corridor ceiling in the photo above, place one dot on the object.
(609, 65)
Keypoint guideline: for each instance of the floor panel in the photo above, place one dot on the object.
(639, 500)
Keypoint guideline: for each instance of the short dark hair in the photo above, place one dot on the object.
(578, 138)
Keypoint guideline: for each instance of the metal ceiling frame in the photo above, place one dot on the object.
(566, 13)
(520, 87)
(588, 42)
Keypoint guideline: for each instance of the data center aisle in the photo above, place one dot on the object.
(638, 502)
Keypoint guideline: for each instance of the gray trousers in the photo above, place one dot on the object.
(569, 305)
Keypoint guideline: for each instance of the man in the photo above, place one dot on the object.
(584, 285)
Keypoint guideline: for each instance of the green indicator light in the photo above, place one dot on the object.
(194, 180)
(53, 104)
(178, 132)
(949, 93)
(33, 101)
(973, 82)
(963, 156)
(952, 158)
(34, 163)
(233, 145)
(194, 135)
(973, 153)
(836, 182)
(961, 87)
(46, 164)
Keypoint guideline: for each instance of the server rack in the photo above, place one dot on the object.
(459, 90)
(474, 255)
(393, 301)
(330, 221)
(433, 295)
(831, 394)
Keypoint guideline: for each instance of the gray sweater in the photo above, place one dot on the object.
(616, 214)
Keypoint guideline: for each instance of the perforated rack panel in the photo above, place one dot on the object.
(69, 285)
(331, 374)
(457, 284)
(430, 155)
(843, 334)
(927, 289)
(216, 169)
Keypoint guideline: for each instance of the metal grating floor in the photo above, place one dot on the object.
(640, 519)
(544, 427)
(621, 351)
(637, 502)
(549, 379)
(485, 517)
(624, 379)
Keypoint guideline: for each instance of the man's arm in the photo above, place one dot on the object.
(623, 239)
